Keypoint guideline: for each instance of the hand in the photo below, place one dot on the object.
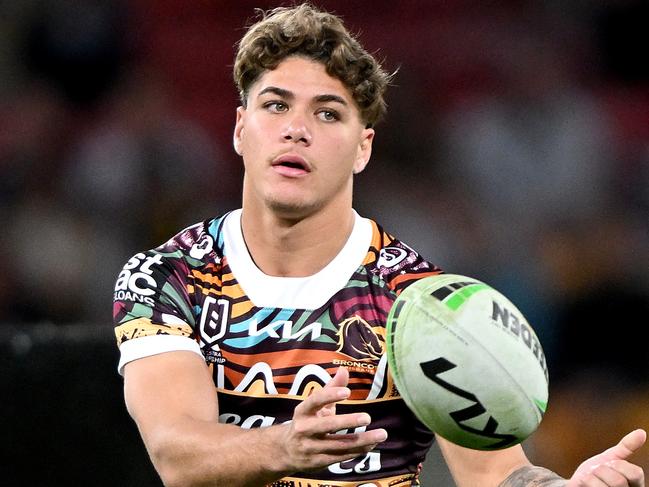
(310, 441)
(611, 468)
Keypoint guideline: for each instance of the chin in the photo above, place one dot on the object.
(292, 209)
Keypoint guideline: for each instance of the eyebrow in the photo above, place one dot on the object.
(289, 95)
(328, 98)
(277, 91)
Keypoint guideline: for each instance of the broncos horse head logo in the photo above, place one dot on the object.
(358, 339)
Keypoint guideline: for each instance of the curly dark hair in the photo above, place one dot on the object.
(306, 31)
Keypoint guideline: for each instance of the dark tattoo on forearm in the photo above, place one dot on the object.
(530, 476)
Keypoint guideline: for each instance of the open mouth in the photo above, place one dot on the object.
(291, 164)
(294, 165)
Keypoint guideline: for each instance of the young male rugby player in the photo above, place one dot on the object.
(253, 344)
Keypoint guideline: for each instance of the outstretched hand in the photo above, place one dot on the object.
(311, 441)
(611, 467)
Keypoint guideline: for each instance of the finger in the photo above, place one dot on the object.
(608, 475)
(340, 378)
(371, 437)
(321, 398)
(335, 390)
(352, 443)
(633, 474)
(320, 426)
(317, 461)
(592, 481)
(337, 448)
(629, 444)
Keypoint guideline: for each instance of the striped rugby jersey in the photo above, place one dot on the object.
(270, 341)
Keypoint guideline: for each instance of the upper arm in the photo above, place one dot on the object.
(485, 468)
(163, 390)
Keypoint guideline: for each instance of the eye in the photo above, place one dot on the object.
(276, 106)
(327, 115)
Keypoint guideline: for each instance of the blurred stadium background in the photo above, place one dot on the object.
(516, 150)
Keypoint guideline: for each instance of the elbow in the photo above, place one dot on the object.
(174, 474)
(174, 467)
(171, 480)
(171, 477)
(168, 468)
(175, 477)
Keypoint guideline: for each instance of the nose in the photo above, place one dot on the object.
(297, 131)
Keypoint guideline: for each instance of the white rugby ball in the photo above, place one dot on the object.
(466, 362)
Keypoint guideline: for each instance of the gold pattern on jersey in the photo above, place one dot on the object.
(398, 481)
(207, 278)
(142, 327)
(207, 284)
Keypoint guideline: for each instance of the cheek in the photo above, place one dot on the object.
(252, 141)
(346, 151)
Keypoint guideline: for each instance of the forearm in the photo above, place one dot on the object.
(531, 476)
(196, 453)
(172, 399)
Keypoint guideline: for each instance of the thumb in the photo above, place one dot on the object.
(624, 449)
(628, 445)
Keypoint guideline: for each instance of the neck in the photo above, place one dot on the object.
(295, 247)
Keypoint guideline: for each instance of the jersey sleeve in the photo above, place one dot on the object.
(396, 263)
(152, 308)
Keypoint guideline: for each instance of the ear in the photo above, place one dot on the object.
(237, 137)
(364, 150)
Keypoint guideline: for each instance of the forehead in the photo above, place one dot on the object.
(304, 78)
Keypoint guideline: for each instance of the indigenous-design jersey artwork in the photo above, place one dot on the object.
(270, 341)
